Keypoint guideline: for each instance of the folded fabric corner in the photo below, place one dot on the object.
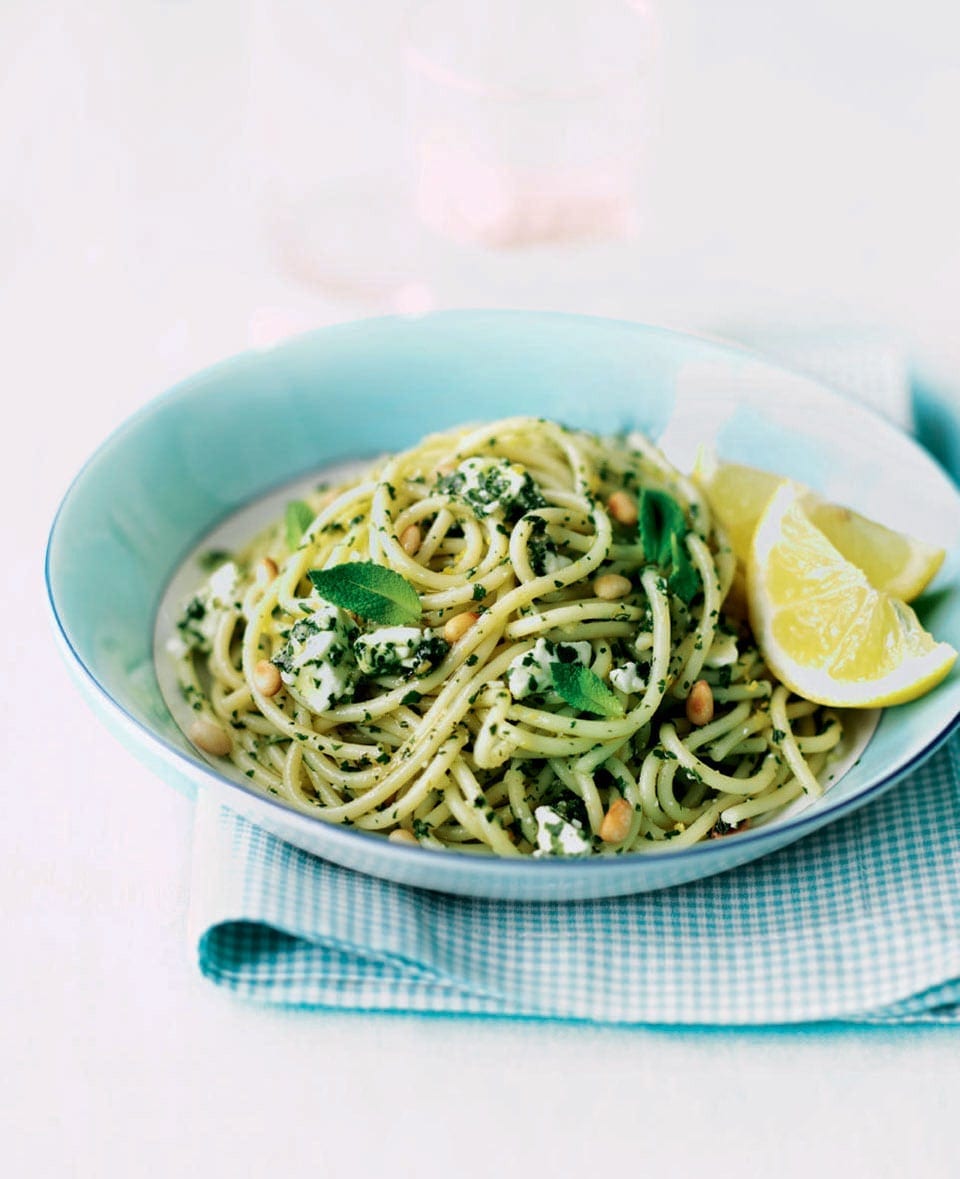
(859, 922)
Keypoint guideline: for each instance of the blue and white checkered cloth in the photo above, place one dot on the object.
(859, 922)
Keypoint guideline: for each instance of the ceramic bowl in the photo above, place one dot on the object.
(231, 435)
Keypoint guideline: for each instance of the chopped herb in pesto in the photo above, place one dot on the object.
(493, 485)
(399, 650)
(209, 560)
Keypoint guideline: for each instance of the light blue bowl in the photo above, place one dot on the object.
(236, 431)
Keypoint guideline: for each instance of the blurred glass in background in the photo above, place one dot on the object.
(526, 121)
(513, 125)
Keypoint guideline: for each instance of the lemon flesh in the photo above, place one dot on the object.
(824, 630)
(893, 562)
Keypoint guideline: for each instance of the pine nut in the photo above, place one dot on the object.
(611, 586)
(266, 570)
(616, 822)
(266, 678)
(700, 704)
(402, 835)
(622, 508)
(410, 539)
(207, 735)
(457, 626)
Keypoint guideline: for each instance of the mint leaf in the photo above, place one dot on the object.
(662, 527)
(375, 593)
(660, 520)
(298, 518)
(584, 689)
(684, 580)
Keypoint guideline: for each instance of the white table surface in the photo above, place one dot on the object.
(805, 172)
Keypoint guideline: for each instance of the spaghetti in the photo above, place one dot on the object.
(516, 639)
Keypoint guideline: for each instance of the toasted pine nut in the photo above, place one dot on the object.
(616, 822)
(266, 570)
(402, 835)
(410, 539)
(266, 678)
(622, 507)
(457, 626)
(700, 704)
(207, 735)
(611, 586)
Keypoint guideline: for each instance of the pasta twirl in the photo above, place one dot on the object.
(494, 641)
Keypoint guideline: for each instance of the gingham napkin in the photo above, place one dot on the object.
(859, 922)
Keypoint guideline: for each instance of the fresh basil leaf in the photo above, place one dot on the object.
(660, 518)
(375, 593)
(298, 518)
(583, 689)
(683, 580)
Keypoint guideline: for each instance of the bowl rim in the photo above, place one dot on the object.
(452, 862)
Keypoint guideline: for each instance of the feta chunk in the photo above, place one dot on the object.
(201, 617)
(222, 585)
(723, 651)
(628, 679)
(556, 836)
(553, 562)
(529, 674)
(491, 485)
(394, 649)
(317, 664)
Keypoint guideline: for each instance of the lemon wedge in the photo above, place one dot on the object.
(824, 630)
(894, 563)
(737, 496)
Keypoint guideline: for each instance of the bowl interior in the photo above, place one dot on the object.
(231, 434)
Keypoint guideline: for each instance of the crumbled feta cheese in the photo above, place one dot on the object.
(393, 649)
(493, 485)
(558, 837)
(317, 663)
(723, 651)
(201, 617)
(177, 647)
(222, 585)
(530, 673)
(628, 679)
